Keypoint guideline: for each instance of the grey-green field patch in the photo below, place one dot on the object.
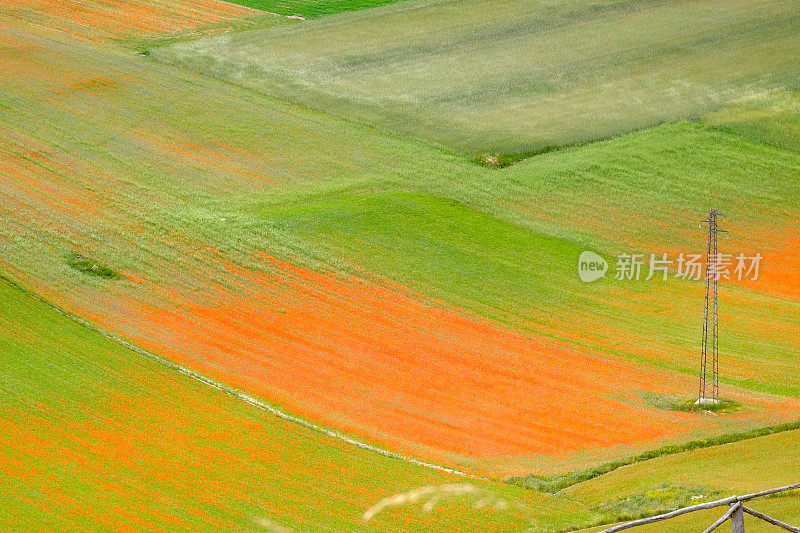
(143, 44)
(501, 77)
(772, 117)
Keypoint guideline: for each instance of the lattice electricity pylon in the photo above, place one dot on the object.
(712, 276)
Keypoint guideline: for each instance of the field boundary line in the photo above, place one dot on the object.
(232, 391)
(558, 483)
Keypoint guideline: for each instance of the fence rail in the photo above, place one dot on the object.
(735, 513)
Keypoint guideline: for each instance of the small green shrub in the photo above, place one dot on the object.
(91, 267)
(506, 160)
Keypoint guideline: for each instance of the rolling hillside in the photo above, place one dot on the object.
(92, 431)
(298, 216)
(150, 177)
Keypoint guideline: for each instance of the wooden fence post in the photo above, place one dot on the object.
(737, 519)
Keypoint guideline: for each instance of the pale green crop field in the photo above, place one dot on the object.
(772, 117)
(513, 77)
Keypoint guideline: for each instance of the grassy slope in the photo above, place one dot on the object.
(94, 435)
(738, 468)
(153, 171)
(503, 76)
(89, 430)
(518, 264)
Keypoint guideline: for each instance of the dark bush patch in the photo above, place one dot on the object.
(89, 266)
(506, 160)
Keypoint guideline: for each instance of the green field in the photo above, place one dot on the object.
(772, 117)
(739, 468)
(511, 77)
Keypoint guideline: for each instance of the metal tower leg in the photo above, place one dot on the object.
(709, 370)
